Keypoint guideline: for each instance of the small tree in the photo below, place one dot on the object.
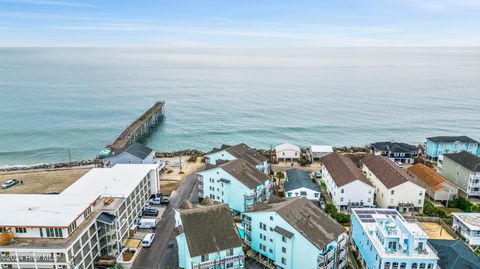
(280, 175)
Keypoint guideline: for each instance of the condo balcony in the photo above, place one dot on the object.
(219, 262)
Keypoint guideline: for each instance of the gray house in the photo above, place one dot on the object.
(463, 170)
(135, 154)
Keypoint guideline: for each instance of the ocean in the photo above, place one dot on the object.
(53, 100)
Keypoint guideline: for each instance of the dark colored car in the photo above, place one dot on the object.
(156, 195)
(150, 212)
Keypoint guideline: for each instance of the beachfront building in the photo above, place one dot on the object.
(346, 183)
(454, 254)
(315, 152)
(436, 186)
(240, 151)
(440, 145)
(287, 152)
(236, 183)
(133, 154)
(299, 183)
(394, 187)
(89, 219)
(395, 151)
(468, 225)
(385, 240)
(207, 237)
(295, 233)
(463, 170)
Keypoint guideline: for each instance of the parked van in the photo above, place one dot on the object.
(148, 240)
(147, 223)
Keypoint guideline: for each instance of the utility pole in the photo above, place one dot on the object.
(69, 156)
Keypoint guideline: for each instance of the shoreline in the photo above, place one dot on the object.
(187, 152)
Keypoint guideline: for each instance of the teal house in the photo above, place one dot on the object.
(295, 233)
(207, 237)
(440, 145)
(237, 183)
(240, 151)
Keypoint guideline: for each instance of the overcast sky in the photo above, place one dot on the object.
(239, 23)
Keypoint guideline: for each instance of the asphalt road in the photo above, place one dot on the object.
(159, 254)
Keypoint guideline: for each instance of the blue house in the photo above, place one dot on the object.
(236, 183)
(240, 151)
(440, 145)
(295, 233)
(207, 237)
(385, 240)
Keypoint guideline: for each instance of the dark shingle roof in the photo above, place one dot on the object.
(243, 151)
(245, 173)
(342, 169)
(209, 229)
(454, 254)
(451, 139)
(393, 147)
(466, 159)
(136, 149)
(307, 218)
(387, 171)
(297, 178)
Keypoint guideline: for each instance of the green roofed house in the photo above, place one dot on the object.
(207, 237)
(454, 254)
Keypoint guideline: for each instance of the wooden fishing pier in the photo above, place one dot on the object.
(141, 127)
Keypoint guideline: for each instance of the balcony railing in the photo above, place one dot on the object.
(209, 264)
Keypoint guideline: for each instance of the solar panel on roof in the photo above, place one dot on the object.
(365, 216)
(367, 220)
(366, 211)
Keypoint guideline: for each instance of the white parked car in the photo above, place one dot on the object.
(148, 240)
(147, 223)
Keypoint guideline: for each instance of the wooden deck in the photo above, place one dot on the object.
(140, 127)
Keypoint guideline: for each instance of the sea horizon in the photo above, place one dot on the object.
(57, 99)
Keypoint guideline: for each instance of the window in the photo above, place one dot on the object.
(419, 201)
(271, 217)
(414, 265)
(204, 258)
(392, 192)
(284, 239)
(284, 261)
(54, 232)
(263, 226)
(21, 230)
(284, 250)
(317, 195)
(304, 193)
(369, 200)
(420, 193)
(230, 252)
(342, 190)
(289, 194)
(341, 199)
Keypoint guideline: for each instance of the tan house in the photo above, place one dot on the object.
(436, 186)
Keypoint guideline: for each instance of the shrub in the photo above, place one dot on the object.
(461, 203)
(432, 211)
(331, 209)
(280, 175)
(342, 218)
(192, 159)
(303, 161)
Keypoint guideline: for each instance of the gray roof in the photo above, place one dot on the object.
(106, 218)
(243, 151)
(466, 159)
(297, 178)
(388, 172)
(245, 173)
(452, 139)
(307, 218)
(454, 254)
(342, 169)
(209, 229)
(393, 147)
(139, 150)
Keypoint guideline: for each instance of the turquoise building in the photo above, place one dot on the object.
(207, 237)
(385, 240)
(236, 183)
(295, 233)
(440, 145)
(240, 151)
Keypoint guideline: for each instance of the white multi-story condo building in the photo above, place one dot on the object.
(346, 183)
(72, 229)
(468, 225)
(385, 240)
(394, 187)
(295, 233)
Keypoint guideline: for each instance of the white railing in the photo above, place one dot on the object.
(208, 264)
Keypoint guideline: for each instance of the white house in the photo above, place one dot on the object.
(287, 152)
(316, 152)
(346, 183)
(133, 154)
(299, 183)
(468, 224)
(394, 187)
